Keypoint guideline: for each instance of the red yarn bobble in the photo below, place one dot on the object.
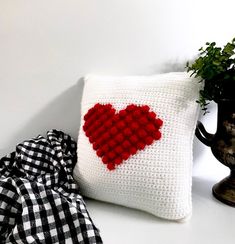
(117, 136)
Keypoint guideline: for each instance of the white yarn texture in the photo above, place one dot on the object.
(157, 179)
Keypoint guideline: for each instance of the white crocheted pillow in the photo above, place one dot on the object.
(135, 142)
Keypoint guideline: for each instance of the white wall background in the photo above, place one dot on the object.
(46, 47)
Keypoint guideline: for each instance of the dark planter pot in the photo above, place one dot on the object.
(222, 145)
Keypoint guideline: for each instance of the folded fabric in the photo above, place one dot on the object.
(39, 200)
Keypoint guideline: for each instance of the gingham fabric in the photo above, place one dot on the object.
(39, 200)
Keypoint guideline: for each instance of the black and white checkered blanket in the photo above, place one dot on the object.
(39, 200)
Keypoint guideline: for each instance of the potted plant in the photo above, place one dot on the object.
(215, 66)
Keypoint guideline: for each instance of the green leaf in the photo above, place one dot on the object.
(216, 62)
(215, 66)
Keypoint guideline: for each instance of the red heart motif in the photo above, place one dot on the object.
(117, 136)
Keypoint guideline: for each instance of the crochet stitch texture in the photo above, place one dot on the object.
(158, 178)
(117, 136)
